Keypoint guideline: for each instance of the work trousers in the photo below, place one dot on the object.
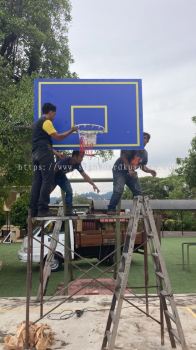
(62, 181)
(120, 179)
(43, 180)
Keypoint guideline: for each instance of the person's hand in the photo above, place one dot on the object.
(95, 188)
(153, 173)
(61, 155)
(132, 173)
(74, 128)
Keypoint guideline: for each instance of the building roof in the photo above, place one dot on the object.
(156, 204)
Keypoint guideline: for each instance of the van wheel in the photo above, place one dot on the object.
(56, 264)
(110, 260)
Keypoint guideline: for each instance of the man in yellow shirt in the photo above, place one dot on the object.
(43, 160)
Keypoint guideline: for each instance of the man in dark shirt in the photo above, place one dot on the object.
(65, 166)
(43, 160)
(124, 173)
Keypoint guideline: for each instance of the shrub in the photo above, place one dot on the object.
(19, 211)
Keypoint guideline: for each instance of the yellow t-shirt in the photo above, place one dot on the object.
(48, 127)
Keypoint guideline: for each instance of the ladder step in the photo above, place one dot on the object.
(175, 334)
(150, 235)
(155, 255)
(165, 294)
(125, 255)
(170, 316)
(159, 274)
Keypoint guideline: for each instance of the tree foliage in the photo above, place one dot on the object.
(19, 211)
(171, 187)
(187, 166)
(33, 37)
(33, 43)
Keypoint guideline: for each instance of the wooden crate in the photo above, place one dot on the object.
(90, 240)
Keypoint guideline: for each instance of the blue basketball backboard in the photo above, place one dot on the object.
(114, 104)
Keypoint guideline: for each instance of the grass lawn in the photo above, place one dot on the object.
(13, 272)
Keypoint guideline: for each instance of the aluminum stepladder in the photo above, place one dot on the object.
(51, 252)
(141, 206)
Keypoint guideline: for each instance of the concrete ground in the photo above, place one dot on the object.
(136, 331)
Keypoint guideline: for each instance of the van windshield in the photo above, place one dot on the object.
(48, 228)
(36, 230)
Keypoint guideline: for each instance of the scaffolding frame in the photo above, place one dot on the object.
(116, 252)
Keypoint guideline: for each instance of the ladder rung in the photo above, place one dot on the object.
(159, 274)
(165, 294)
(175, 334)
(155, 255)
(150, 235)
(170, 316)
(125, 255)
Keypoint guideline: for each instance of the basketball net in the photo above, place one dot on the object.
(86, 147)
(88, 137)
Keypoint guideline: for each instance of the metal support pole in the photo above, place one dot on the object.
(157, 219)
(146, 277)
(41, 269)
(28, 278)
(68, 242)
(182, 228)
(67, 275)
(162, 323)
(117, 242)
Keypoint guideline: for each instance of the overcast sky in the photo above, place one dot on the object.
(149, 39)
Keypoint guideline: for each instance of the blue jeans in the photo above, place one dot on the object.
(62, 181)
(120, 179)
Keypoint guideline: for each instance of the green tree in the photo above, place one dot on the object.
(33, 37)
(19, 211)
(79, 199)
(33, 43)
(187, 166)
(171, 187)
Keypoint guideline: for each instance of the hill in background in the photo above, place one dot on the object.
(87, 195)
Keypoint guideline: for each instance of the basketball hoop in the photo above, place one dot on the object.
(88, 136)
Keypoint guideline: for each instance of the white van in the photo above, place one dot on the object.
(88, 238)
(48, 229)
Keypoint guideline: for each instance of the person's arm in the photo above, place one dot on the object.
(90, 181)
(148, 170)
(64, 134)
(48, 127)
